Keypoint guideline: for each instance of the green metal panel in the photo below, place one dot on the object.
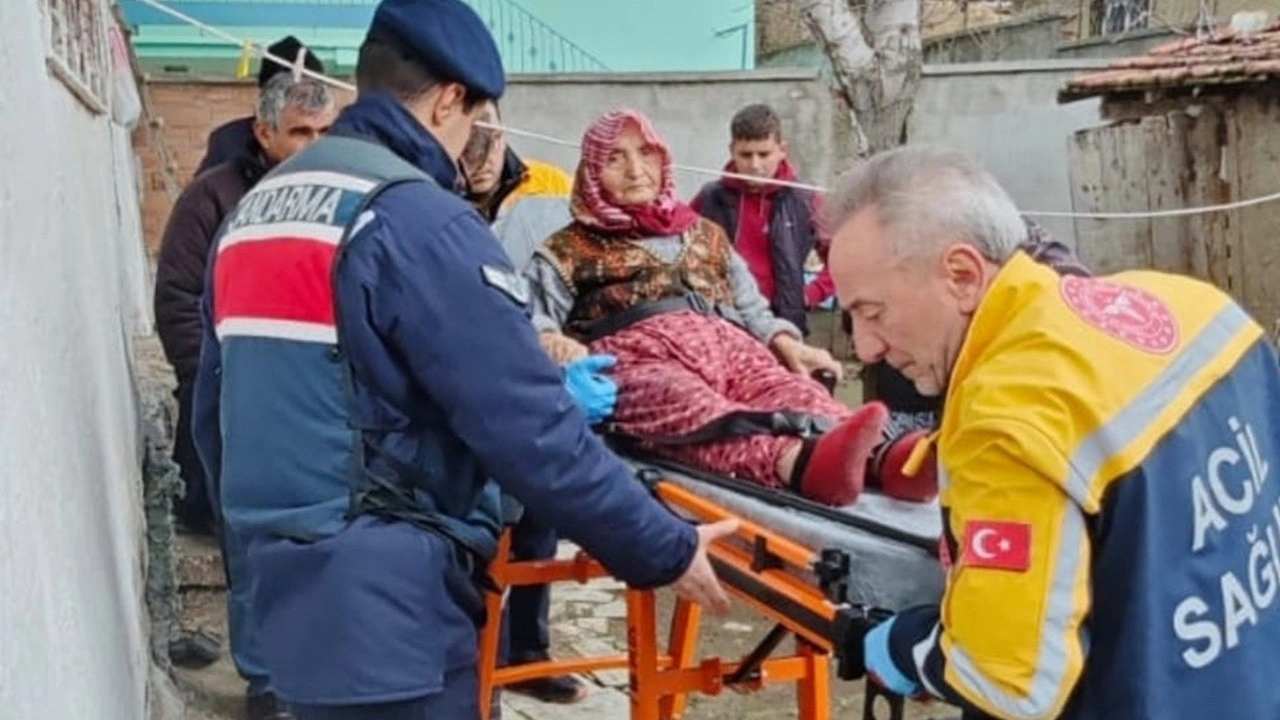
(332, 28)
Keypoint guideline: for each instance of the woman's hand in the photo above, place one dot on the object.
(562, 348)
(804, 359)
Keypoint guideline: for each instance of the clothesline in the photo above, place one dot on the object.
(1177, 212)
(261, 50)
(299, 70)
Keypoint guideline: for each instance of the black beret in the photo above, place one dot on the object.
(449, 38)
(286, 49)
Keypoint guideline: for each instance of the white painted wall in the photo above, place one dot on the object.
(72, 291)
(1005, 114)
(690, 110)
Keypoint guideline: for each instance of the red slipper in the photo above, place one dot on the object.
(836, 468)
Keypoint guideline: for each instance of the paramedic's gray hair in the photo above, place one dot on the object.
(928, 196)
(309, 96)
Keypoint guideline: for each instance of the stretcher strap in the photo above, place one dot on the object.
(776, 497)
(619, 321)
(737, 424)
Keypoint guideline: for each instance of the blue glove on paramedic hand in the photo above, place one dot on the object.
(880, 667)
(594, 392)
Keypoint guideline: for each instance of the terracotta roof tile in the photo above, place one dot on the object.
(1220, 59)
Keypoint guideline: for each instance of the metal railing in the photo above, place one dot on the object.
(527, 44)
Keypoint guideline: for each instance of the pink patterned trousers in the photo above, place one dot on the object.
(679, 371)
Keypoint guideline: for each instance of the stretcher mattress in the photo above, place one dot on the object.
(891, 544)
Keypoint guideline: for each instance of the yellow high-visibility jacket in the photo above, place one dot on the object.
(530, 203)
(1112, 521)
(540, 179)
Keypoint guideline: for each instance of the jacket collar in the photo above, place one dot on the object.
(251, 161)
(253, 164)
(1017, 284)
(382, 119)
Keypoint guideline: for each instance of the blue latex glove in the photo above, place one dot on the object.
(594, 392)
(880, 666)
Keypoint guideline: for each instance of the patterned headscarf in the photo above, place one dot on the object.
(591, 204)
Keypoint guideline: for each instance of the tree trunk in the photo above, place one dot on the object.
(875, 53)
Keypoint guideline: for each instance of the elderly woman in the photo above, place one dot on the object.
(706, 374)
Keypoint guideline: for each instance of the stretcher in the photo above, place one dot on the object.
(872, 558)
(892, 545)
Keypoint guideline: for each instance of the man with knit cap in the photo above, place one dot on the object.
(370, 383)
(235, 138)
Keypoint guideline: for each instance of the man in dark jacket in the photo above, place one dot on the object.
(290, 116)
(773, 227)
(229, 140)
(500, 184)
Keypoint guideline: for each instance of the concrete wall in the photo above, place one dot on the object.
(1032, 38)
(1117, 46)
(73, 635)
(692, 110)
(1007, 115)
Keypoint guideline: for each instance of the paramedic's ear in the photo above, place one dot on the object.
(967, 274)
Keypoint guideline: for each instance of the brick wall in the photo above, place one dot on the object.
(186, 112)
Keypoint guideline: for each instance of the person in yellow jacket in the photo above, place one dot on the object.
(1112, 525)
(523, 200)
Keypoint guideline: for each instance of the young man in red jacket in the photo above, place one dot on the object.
(773, 227)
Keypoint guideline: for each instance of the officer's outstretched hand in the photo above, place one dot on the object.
(699, 583)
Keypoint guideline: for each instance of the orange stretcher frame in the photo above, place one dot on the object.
(758, 568)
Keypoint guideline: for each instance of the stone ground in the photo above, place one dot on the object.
(586, 619)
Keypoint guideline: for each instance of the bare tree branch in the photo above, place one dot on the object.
(840, 33)
(875, 53)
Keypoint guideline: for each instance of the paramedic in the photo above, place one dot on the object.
(523, 199)
(1104, 456)
(908, 409)
(368, 364)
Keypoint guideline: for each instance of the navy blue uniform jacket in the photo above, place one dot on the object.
(358, 615)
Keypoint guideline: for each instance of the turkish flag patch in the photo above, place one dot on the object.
(997, 545)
